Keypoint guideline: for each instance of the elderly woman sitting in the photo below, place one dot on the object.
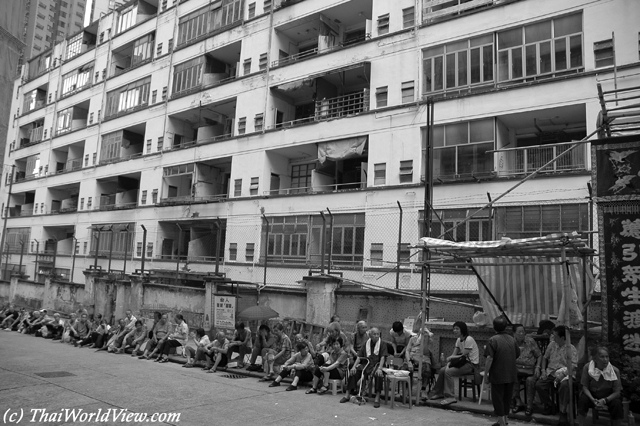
(200, 352)
(334, 368)
(529, 367)
(601, 387)
(300, 363)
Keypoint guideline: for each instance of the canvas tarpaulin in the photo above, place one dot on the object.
(340, 149)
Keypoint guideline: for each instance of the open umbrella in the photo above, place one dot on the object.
(258, 312)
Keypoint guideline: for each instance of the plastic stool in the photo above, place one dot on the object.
(335, 384)
(393, 382)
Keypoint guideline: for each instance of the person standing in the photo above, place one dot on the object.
(500, 369)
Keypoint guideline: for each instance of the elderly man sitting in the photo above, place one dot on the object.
(375, 351)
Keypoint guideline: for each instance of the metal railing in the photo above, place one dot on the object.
(70, 129)
(438, 9)
(183, 199)
(342, 106)
(119, 159)
(294, 58)
(517, 161)
(318, 188)
(71, 165)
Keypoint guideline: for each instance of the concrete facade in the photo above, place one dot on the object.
(195, 119)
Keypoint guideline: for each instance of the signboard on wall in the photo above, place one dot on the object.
(224, 311)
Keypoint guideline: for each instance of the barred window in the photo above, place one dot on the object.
(127, 18)
(74, 46)
(128, 97)
(540, 220)
(77, 79)
(478, 228)
(188, 74)
(142, 49)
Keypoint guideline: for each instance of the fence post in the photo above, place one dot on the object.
(55, 255)
(110, 249)
(73, 259)
(330, 242)
(21, 256)
(266, 255)
(126, 251)
(35, 271)
(144, 249)
(218, 241)
(398, 248)
(179, 247)
(322, 242)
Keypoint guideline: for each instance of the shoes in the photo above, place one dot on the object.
(291, 388)
(344, 399)
(188, 366)
(528, 412)
(163, 360)
(240, 365)
(254, 367)
(312, 390)
(212, 370)
(267, 378)
(157, 359)
(376, 404)
(275, 384)
(323, 390)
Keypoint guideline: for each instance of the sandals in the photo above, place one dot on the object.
(188, 366)
(163, 360)
(376, 404)
(212, 370)
(323, 390)
(448, 401)
(312, 390)
(344, 399)
(434, 397)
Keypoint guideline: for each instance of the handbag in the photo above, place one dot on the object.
(459, 362)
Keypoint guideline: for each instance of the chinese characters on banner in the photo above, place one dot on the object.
(224, 308)
(622, 253)
(616, 178)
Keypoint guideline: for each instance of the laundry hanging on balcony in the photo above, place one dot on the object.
(341, 149)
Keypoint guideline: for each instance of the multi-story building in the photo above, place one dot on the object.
(201, 133)
(48, 22)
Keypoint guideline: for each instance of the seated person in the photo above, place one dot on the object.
(273, 358)
(300, 363)
(81, 330)
(529, 365)
(413, 358)
(334, 330)
(375, 351)
(217, 353)
(91, 338)
(200, 352)
(360, 336)
(101, 334)
(28, 322)
(160, 332)
(399, 339)
(55, 327)
(264, 340)
(134, 339)
(240, 343)
(334, 369)
(68, 326)
(173, 340)
(299, 338)
(601, 388)
(39, 323)
(554, 373)
(465, 346)
(10, 316)
(117, 336)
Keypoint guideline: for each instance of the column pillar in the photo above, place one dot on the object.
(321, 298)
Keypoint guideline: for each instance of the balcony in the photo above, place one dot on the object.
(64, 198)
(122, 145)
(31, 134)
(118, 192)
(73, 118)
(435, 10)
(194, 240)
(523, 161)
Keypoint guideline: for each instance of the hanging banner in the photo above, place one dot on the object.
(224, 311)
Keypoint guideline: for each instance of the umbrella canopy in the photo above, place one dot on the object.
(258, 313)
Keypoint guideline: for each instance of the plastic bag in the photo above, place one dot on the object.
(480, 319)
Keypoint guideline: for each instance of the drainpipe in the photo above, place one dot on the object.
(144, 249)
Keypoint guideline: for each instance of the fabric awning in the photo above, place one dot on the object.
(340, 149)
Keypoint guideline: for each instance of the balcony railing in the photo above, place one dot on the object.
(71, 165)
(517, 161)
(318, 188)
(118, 159)
(439, 9)
(117, 206)
(342, 106)
(294, 58)
(187, 199)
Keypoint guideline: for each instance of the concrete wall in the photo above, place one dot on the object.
(62, 296)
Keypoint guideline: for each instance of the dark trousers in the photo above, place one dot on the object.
(223, 359)
(55, 330)
(544, 388)
(616, 411)
(352, 384)
(168, 344)
(334, 374)
(501, 397)
(303, 375)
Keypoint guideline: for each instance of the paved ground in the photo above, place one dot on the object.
(102, 381)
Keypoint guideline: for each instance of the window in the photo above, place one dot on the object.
(90, 118)
(123, 240)
(460, 149)
(89, 200)
(188, 74)
(143, 200)
(170, 45)
(86, 160)
(13, 238)
(476, 229)
(258, 122)
(301, 177)
(149, 250)
(604, 53)
(380, 174)
(408, 17)
(95, 158)
(288, 237)
(407, 90)
(539, 220)
(84, 247)
(242, 125)
(376, 254)
(237, 188)
(96, 77)
(267, 6)
(247, 66)
(110, 148)
(192, 26)
(253, 189)
(383, 24)
(163, 7)
(139, 249)
(128, 97)
(249, 252)
(154, 196)
(101, 39)
(74, 46)
(81, 203)
(142, 49)
(64, 121)
(160, 143)
(252, 10)
(233, 251)
(159, 49)
(541, 48)
(381, 97)
(154, 97)
(77, 79)
(406, 171)
(458, 64)
(148, 146)
(263, 62)
(127, 18)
